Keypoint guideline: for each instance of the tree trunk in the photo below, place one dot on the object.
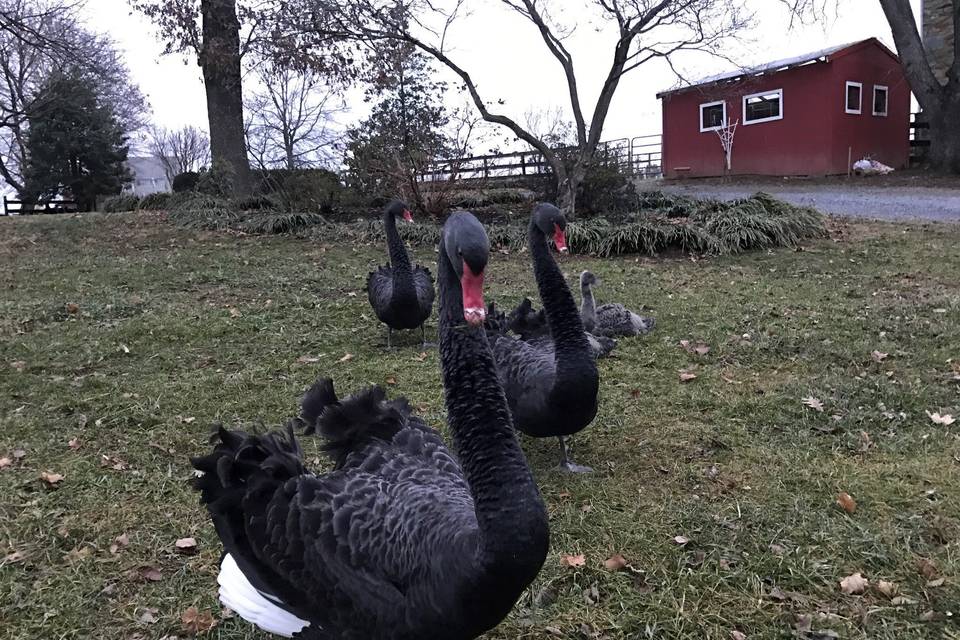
(220, 61)
(944, 153)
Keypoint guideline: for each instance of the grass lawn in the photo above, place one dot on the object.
(122, 339)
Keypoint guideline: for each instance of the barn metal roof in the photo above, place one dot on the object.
(823, 55)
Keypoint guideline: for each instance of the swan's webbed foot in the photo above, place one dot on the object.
(423, 338)
(565, 463)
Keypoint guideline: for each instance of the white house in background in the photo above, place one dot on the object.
(148, 176)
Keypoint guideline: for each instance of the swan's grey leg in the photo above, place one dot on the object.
(565, 462)
(389, 333)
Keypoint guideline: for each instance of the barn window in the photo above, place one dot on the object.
(763, 107)
(712, 115)
(853, 98)
(879, 100)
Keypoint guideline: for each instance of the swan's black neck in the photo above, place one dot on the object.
(588, 308)
(572, 350)
(508, 506)
(399, 260)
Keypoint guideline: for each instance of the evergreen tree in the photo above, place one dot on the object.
(406, 128)
(74, 143)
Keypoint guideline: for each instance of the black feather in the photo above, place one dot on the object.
(360, 419)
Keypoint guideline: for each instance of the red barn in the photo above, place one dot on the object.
(809, 115)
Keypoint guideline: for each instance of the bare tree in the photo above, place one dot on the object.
(291, 121)
(180, 150)
(939, 99)
(38, 39)
(642, 30)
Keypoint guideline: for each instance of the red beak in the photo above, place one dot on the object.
(407, 215)
(474, 311)
(560, 239)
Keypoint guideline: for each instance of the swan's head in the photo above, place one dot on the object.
(398, 209)
(551, 222)
(468, 249)
(587, 279)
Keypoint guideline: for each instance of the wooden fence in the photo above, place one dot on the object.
(638, 156)
(24, 207)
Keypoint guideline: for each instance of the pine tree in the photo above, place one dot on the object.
(74, 144)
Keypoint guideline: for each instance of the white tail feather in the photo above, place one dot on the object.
(252, 605)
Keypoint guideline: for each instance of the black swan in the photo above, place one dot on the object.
(612, 318)
(402, 540)
(401, 295)
(531, 325)
(552, 389)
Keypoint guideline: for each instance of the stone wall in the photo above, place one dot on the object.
(938, 35)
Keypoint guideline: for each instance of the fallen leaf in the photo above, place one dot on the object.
(72, 307)
(196, 622)
(927, 569)
(149, 616)
(636, 393)
(701, 349)
(887, 588)
(813, 403)
(114, 463)
(74, 443)
(19, 365)
(776, 549)
(347, 357)
(615, 562)
(878, 356)
(391, 380)
(901, 601)
(120, 542)
(573, 561)
(150, 573)
(928, 616)
(234, 312)
(5, 462)
(737, 635)
(846, 502)
(19, 454)
(945, 419)
(687, 376)
(933, 584)
(307, 359)
(51, 479)
(421, 357)
(680, 540)
(185, 545)
(15, 557)
(854, 584)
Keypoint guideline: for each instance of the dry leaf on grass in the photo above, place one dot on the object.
(347, 357)
(391, 380)
(680, 540)
(878, 356)
(151, 574)
(813, 403)
(113, 463)
(854, 584)
(737, 635)
(615, 562)
(307, 360)
(887, 588)
(19, 454)
(51, 479)
(902, 601)
(120, 542)
(421, 357)
(149, 616)
(927, 569)
(185, 545)
(19, 365)
(573, 561)
(846, 502)
(196, 622)
(687, 376)
(15, 557)
(5, 462)
(74, 443)
(933, 584)
(234, 312)
(945, 419)
(72, 307)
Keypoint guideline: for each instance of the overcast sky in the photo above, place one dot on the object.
(508, 60)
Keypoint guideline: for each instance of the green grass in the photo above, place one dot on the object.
(177, 329)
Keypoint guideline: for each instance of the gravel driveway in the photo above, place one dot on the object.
(865, 201)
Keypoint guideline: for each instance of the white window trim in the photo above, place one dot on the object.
(846, 91)
(779, 92)
(712, 104)
(886, 103)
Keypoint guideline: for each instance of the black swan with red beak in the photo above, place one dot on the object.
(401, 294)
(551, 385)
(403, 540)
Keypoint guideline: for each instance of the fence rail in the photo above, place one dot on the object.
(638, 156)
(25, 207)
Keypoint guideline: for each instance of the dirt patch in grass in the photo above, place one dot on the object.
(720, 493)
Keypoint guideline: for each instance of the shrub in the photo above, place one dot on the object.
(123, 202)
(255, 203)
(155, 201)
(219, 180)
(186, 181)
